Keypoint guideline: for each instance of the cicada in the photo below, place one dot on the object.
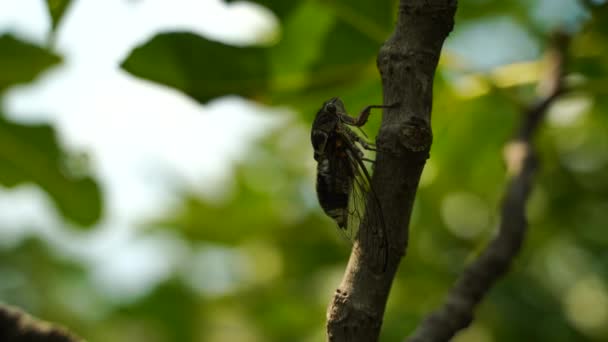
(343, 184)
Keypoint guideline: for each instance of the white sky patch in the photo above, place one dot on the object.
(135, 266)
(27, 18)
(22, 209)
(144, 140)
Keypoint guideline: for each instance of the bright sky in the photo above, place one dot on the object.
(141, 138)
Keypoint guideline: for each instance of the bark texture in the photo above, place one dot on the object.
(456, 313)
(407, 63)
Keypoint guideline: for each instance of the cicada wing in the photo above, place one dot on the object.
(364, 208)
(346, 171)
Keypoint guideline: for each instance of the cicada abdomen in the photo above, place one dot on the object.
(335, 178)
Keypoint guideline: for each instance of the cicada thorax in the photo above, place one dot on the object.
(335, 176)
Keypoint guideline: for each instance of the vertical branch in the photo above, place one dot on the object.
(456, 313)
(407, 63)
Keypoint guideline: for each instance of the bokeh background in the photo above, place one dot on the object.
(157, 183)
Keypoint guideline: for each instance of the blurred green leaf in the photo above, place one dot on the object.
(372, 18)
(201, 68)
(169, 313)
(30, 153)
(347, 54)
(299, 45)
(57, 9)
(354, 40)
(22, 62)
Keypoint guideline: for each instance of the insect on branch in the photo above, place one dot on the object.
(343, 182)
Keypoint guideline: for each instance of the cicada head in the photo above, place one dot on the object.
(325, 124)
(334, 106)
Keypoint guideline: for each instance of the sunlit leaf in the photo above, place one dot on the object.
(22, 62)
(30, 153)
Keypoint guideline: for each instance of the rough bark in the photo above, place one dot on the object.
(457, 311)
(407, 63)
(17, 326)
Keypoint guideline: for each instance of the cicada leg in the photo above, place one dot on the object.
(368, 146)
(364, 143)
(361, 119)
(368, 160)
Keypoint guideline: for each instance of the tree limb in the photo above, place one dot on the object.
(18, 326)
(407, 63)
(456, 313)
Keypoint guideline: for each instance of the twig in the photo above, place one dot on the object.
(407, 63)
(457, 311)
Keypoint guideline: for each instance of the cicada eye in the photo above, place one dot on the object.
(330, 107)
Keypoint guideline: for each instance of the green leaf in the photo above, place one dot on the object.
(57, 9)
(339, 49)
(22, 62)
(30, 153)
(201, 68)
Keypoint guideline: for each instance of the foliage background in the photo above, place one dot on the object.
(254, 259)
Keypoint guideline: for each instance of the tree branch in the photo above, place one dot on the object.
(17, 326)
(407, 63)
(457, 311)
